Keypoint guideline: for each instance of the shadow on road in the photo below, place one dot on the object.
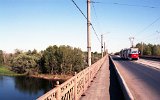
(114, 88)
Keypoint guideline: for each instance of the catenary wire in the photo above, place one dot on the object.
(86, 19)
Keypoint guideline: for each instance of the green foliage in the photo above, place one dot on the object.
(149, 49)
(156, 50)
(23, 63)
(95, 57)
(7, 71)
(49, 60)
(53, 60)
(1, 58)
(63, 59)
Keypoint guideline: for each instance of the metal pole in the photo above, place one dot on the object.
(102, 45)
(131, 40)
(88, 33)
(142, 49)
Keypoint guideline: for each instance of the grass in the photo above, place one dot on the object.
(7, 72)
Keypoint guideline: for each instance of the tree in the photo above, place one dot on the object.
(17, 52)
(53, 60)
(24, 63)
(8, 58)
(66, 53)
(49, 59)
(156, 50)
(1, 57)
(78, 60)
(72, 59)
(139, 46)
(149, 49)
(96, 56)
(62, 60)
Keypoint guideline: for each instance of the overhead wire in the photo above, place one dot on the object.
(115, 3)
(94, 10)
(96, 17)
(147, 27)
(125, 4)
(152, 37)
(86, 19)
(95, 33)
(79, 9)
(134, 5)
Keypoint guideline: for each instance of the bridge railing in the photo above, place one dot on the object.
(73, 88)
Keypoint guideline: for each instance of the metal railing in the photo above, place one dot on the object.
(73, 88)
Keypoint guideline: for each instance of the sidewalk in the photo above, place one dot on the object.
(155, 64)
(99, 89)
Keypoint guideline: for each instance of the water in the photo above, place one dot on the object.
(23, 88)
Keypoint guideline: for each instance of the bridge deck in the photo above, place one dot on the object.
(99, 89)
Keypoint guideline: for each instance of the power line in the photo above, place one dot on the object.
(86, 18)
(79, 9)
(153, 36)
(95, 33)
(150, 36)
(148, 26)
(134, 5)
(96, 17)
(124, 4)
(94, 10)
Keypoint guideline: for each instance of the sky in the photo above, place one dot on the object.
(37, 24)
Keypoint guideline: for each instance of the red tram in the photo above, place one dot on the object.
(130, 53)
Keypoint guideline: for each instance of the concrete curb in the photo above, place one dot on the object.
(127, 94)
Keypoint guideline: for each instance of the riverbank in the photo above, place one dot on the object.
(7, 72)
(52, 77)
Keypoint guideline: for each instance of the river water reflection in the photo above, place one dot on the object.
(24, 88)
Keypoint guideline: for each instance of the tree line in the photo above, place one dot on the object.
(149, 49)
(53, 60)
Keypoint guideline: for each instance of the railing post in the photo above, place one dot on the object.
(58, 93)
(75, 87)
(89, 83)
(84, 81)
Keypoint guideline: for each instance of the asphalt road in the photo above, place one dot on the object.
(143, 81)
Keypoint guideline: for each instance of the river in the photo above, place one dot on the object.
(24, 88)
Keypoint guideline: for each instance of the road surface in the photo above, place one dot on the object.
(143, 81)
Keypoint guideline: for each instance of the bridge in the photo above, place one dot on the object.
(111, 78)
(75, 87)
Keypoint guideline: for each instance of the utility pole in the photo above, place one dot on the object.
(158, 32)
(132, 41)
(88, 33)
(141, 48)
(102, 45)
